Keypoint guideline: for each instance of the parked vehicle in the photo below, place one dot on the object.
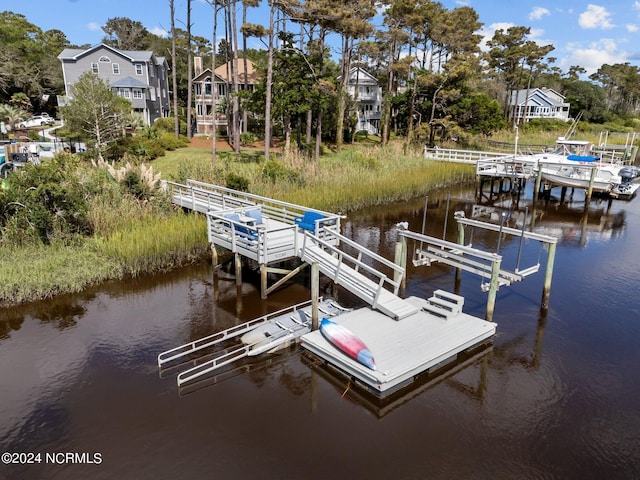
(37, 121)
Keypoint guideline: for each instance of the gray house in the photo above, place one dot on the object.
(139, 76)
(541, 103)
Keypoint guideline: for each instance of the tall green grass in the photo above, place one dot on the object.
(156, 243)
(37, 272)
(133, 236)
(355, 177)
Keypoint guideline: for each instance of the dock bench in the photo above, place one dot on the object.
(309, 221)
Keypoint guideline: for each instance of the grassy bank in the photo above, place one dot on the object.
(355, 177)
(134, 236)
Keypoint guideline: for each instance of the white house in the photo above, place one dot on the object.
(364, 89)
(541, 103)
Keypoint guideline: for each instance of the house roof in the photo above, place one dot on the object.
(361, 76)
(133, 55)
(539, 96)
(128, 82)
(252, 74)
(207, 73)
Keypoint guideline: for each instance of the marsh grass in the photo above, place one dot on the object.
(34, 272)
(156, 243)
(355, 177)
(132, 237)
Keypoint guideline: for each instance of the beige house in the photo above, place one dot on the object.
(217, 87)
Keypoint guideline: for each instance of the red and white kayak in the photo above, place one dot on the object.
(345, 341)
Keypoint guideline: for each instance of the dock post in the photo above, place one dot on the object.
(315, 290)
(458, 276)
(238, 265)
(547, 276)
(400, 259)
(493, 288)
(592, 179)
(536, 189)
(214, 257)
(263, 281)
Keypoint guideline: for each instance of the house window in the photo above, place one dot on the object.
(207, 86)
(138, 69)
(94, 68)
(115, 68)
(104, 59)
(199, 110)
(124, 92)
(137, 94)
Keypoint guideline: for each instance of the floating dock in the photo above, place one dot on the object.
(403, 349)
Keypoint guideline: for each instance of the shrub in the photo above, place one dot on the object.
(247, 139)
(237, 182)
(274, 170)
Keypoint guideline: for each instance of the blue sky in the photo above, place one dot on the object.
(588, 33)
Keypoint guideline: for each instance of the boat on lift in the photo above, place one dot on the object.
(572, 164)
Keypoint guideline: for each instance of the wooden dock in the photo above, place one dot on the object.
(402, 349)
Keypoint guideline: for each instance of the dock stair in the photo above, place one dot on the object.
(265, 334)
(357, 276)
(444, 304)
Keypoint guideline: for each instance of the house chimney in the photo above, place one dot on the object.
(197, 66)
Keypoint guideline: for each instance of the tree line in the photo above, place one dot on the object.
(427, 58)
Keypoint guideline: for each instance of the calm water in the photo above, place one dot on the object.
(556, 396)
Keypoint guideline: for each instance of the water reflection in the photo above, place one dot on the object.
(554, 396)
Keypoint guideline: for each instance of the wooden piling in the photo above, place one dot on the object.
(536, 189)
(493, 288)
(263, 281)
(592, 179)
(400, 259)
(238, 265)
(548, 274)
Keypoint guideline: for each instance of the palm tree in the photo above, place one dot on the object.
(11, 115)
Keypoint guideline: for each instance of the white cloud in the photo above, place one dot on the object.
(487, 32)
(636, 5)
(538, 12)
(631, 28)
(595, 17)
(93, 26)
(594, 55)
(159, 31)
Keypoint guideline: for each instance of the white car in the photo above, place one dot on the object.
(36, 121)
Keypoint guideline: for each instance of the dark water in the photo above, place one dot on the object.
(557, 395)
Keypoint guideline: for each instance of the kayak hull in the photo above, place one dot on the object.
(344, 340)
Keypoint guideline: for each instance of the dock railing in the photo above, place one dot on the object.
(356, 263)
(461, 156)
(262, 243)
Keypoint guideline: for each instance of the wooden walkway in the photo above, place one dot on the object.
(357, 276)
(266, 231)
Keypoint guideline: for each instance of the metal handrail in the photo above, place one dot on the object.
(342, 256)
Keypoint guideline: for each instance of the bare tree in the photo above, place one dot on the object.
(189, 69)
(174, 75)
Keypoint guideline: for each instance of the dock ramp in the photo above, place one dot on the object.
(265, 334)
(356, 274)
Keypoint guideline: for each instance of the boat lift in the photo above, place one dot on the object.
(485, 264)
